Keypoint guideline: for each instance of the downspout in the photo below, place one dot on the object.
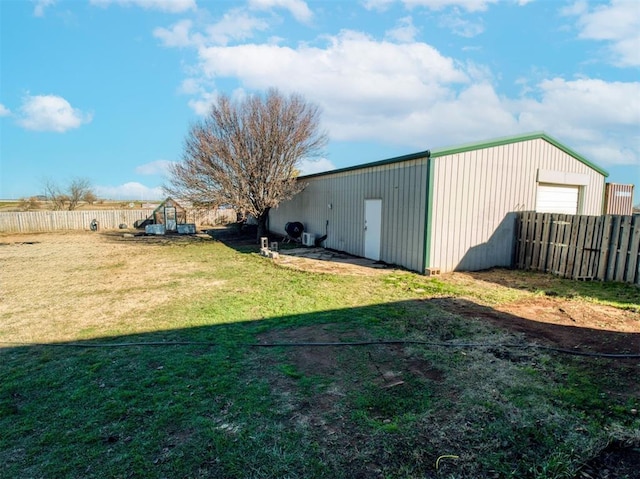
(428, 209)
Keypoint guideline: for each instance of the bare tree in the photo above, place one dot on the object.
(78, 190)
(53, 193)
(69, 199)
(244, 153)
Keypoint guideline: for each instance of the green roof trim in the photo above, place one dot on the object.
(517, 139)
(397, 159)
(468, 147)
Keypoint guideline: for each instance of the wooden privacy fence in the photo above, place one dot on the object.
(603, 248)
(44, 221)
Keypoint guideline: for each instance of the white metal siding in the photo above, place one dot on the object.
(475, 194)
(402, 188)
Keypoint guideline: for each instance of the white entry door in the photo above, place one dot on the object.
(372, 228)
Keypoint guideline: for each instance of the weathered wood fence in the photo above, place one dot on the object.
(44, 221)
(603, 248)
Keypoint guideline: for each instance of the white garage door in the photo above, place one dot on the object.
(557, 199)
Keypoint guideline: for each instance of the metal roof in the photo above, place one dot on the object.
(440, 152)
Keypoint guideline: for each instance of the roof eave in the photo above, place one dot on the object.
(397, 159)
(516, 139)
(465, 148)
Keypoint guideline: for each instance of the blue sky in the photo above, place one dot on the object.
(106, 89)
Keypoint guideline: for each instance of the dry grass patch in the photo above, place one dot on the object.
(60, 287)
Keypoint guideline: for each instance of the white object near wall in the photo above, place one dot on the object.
(308, 239)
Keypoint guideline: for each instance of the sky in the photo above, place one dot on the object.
(106, 90)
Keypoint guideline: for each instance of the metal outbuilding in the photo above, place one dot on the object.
(618, 199)
(445, 210)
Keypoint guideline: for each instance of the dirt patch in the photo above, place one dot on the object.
(566, 324)
(318, 392)
(309, 360)
(386, 363)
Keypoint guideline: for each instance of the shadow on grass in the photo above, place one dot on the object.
(216, 401)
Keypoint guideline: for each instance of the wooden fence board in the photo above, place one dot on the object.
(45, 221)
(580, 247)
(634, 251)
(588, 266)
(575, 245)
(564, 233)
(553, 241)
(604, 245)
(523, 230)
(535, 250)
(613, 247)
(623, 249)
(544, 242)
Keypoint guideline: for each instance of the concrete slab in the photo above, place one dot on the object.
(337, 257)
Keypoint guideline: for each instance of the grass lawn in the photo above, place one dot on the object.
(231, 388)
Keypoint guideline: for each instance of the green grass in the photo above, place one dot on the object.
(231, 410)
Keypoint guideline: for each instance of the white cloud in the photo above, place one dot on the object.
(299, 9)
(378, 5)
(592, 101)
(595, 116)
(178, 35)
(405, 32)
(460, 26)
(407, 93)
(618, 24)
(130, 191)
(202, 104)
(235, 25)
(4, 111)
(309, 167)
(158, 167)
(468, 5)
(41, 5)
(50, 113)
(353, 70)
(170, 6)
(368, 89)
